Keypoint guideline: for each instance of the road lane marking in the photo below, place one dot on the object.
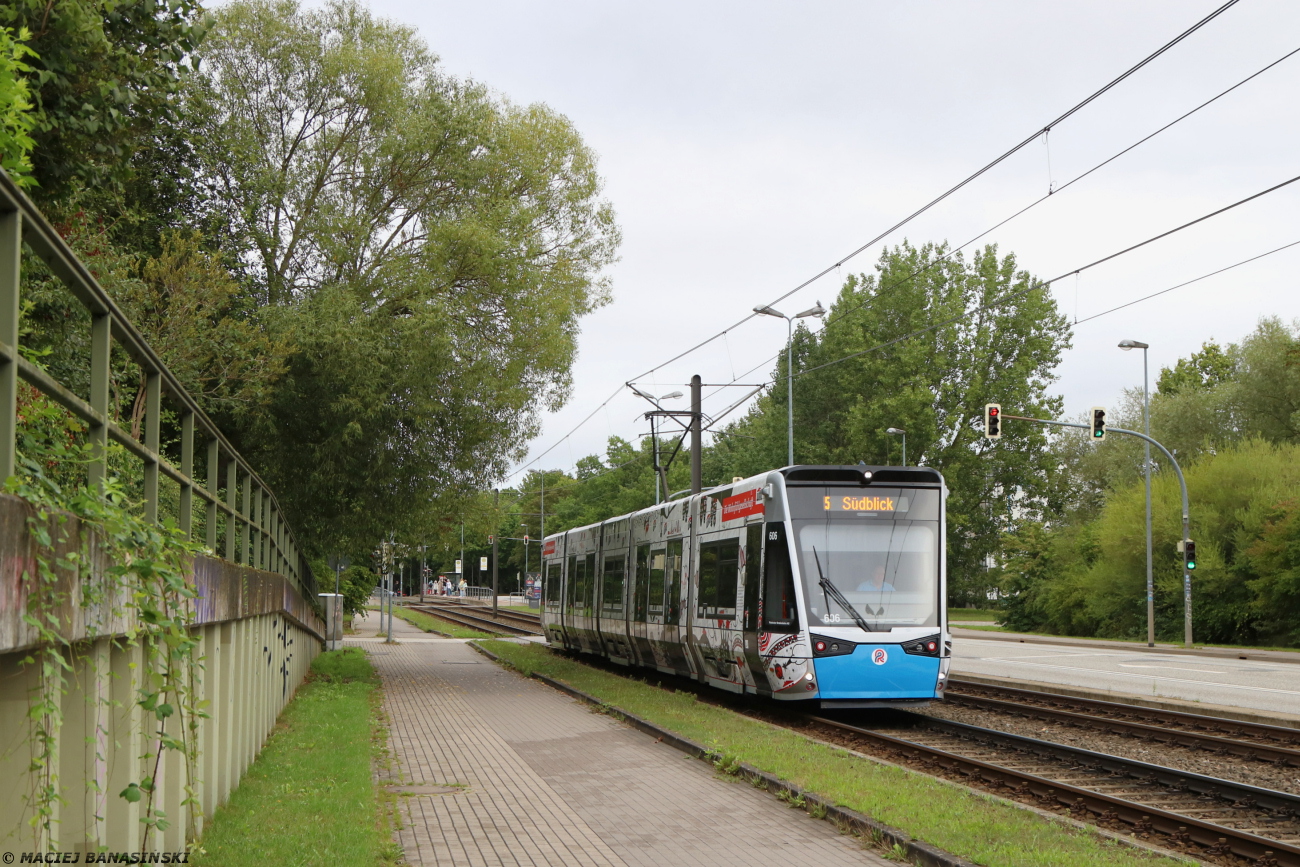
(1172, 668)
(1141, 676)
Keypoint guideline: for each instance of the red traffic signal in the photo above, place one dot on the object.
(993, 421)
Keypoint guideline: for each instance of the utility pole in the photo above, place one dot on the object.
(389, 567)
(697, 472)
(496, 504)
(462, 551)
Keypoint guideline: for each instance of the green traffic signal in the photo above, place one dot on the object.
(1189, 554)
(1098, 419)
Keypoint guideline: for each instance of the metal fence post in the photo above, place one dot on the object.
(245, 533)
(214, 474)
(11, 247)
(101, 349)
(232, 517)
(186, 518)
(152, 436)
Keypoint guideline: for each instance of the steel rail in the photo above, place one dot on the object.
(1218, 839)
(957, 686)
(1192, 740)
(486, 624)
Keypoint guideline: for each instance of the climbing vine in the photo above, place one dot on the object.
(92, 550)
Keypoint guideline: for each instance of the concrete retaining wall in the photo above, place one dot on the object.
(257, 638)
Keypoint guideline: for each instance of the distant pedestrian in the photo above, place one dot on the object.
(462, 586)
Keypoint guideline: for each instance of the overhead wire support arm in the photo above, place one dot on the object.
(1182, 485)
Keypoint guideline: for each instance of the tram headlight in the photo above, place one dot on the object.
(942, 680)
(823, 645)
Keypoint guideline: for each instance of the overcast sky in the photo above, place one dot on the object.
(747, 146)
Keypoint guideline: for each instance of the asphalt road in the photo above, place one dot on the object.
(1259, 685)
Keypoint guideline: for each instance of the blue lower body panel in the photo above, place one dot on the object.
(876, 671)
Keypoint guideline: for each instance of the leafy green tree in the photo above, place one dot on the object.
(1268, 380)
(1210, 367)
(430, 246)
(103, 73)
(17, 119)
(929, 339)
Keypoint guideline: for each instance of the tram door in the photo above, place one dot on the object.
(674, 632)
(750, 602)
(777, 617)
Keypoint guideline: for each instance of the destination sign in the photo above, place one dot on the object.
(868, 503)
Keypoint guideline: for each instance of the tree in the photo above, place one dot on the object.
(104, 72)
(17, 119)
(191, 311)
(1210, 367)
(430, 245)
(922, 345)
(1268, 377)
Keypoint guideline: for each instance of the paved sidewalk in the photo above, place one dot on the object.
(536, 778)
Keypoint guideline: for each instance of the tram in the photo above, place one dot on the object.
(820, 584)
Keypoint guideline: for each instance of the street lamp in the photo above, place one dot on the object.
(654, 438)
(525, 526)
(789, 366)
(1126, 345)
(898, 431)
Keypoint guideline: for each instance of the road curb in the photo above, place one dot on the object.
(917, 852)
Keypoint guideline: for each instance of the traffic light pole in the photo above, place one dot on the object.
(496, 504)
(1182, 484)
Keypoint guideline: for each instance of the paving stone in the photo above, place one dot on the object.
(503, 770)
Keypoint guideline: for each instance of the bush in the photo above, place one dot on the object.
(1089, 578)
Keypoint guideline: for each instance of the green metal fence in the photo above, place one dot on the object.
(256, 533)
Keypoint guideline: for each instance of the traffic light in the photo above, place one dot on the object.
(1098, 415)
(993, 421)
(1189, 554)
(491, 539)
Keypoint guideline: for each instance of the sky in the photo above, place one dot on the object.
(746, 147)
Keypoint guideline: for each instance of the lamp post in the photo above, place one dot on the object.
(525, 526)
(1126, 345)
(654, 440)
(789, 366)
(898, 431)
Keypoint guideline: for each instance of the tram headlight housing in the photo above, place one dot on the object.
(931, 645)
(825, 646)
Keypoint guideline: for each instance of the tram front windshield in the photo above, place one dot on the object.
(869, 556)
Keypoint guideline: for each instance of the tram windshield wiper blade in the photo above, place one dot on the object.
(831, 590)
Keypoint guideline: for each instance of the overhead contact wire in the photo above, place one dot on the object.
(840, 316)
(969, 179)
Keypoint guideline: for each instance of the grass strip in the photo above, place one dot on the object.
(980, 828)
(437, 625)
(309, 798)
(983, 614)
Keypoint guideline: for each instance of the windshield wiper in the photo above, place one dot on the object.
(831, 590)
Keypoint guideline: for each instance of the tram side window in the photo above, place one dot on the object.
(655, 586)
(673, 577)
(641, 583)
(719, 571)
(611, 592)
(753, 574)
(588, 585)
(779, 612)
(575, 580)
(708, 586)
(551, 584)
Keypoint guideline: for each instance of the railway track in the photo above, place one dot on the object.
(505, 622)
(1211, 818)
(1224, 737)
(1217, 820)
